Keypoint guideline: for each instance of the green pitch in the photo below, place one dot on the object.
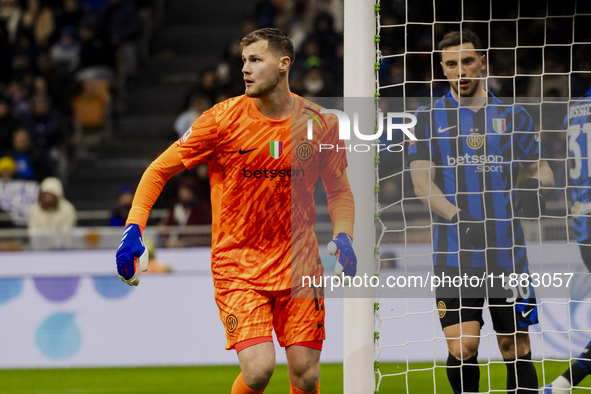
(218, 380)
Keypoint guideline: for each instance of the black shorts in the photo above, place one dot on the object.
(462, 305)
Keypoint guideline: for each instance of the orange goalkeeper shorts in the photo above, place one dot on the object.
(248, 314)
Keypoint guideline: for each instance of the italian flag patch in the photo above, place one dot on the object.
(276, 149)
(499, 125)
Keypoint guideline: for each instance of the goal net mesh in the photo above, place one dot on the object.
(531, 55)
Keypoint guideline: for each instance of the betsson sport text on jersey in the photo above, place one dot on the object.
(292, 174)
(484, 163)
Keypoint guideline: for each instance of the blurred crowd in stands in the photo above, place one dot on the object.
(56, 57)
(53, 54)
(316, 29)
(65, 63)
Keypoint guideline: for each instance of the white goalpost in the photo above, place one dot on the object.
(359, 81)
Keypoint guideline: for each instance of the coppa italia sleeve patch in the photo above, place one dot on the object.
(186, 135)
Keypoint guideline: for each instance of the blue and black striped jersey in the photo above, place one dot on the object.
(579, 171)
(476, 153)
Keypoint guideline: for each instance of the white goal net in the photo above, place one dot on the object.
(533, 59)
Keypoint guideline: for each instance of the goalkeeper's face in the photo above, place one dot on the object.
(463, 68)
(262, 69)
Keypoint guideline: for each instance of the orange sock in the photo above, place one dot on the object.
(240, 387)
(295, 390)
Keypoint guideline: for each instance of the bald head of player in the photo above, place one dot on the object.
(267, 55)
(463, 62)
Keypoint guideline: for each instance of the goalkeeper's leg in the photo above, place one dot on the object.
(257, 364)
(303, 364)
(299, 325)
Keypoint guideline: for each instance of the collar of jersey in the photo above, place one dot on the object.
(269, 120)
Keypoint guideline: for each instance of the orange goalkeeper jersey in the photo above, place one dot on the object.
(262, 176)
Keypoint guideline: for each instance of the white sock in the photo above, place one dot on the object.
(560, 383)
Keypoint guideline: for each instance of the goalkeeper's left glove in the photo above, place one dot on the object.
(343, 250)
(530, 200)
(131, 249)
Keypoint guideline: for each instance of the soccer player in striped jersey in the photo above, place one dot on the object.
(579, 172)
(263, 169)
(464, 167)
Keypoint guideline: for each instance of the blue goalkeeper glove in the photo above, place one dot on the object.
(131, 249)
(343, 250)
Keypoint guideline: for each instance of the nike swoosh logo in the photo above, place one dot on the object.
(246, 151)
(440, 130)
(319, 325)
(524, 314)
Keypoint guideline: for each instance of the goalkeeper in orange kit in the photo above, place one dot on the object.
(262, 187)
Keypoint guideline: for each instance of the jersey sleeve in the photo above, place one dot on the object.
(341, 205)
(199, 144)
(420, 149)
(527, 138)
(151, 185)
(333, 161)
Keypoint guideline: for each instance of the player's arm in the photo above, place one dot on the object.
(530, 200)
(341, 208)
(422, 174)
(470, 230)
(541, 170)
(151, 185)
(132, 250)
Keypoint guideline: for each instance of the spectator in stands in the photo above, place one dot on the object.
(209, 84)
(325, 35)
(8, 124)
(266, 11)
(123, 26)
(187, 209)
(7, 168)
(17, 95)
(146, 10)
(66, 51)
(30, 164)
(97, 54)
(122, 207)
(56, 80)
(229, 70)
(23, 53)
(10, 16)
(52, 220)
(49, 130)
(70, 13)
(38, 20)
(198, 104)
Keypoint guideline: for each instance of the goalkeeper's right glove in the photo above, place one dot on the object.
(131, 249)
(470, 231)
(341, 247)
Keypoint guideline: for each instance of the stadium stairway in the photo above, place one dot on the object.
(193, 37)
